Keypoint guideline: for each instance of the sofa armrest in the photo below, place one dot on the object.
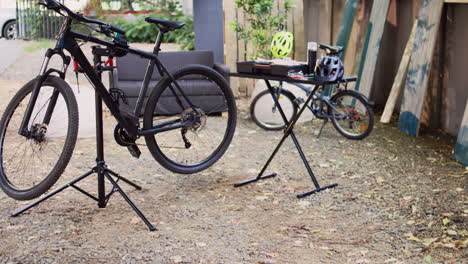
(223, 70)
(114, 78)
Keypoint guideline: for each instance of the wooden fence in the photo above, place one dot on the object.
(235, 48)
(309, 20)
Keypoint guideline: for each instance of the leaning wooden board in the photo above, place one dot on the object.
(371, 52)
(420, 66)
(461, 149)
(346, 25)
(399, 78)
(344, 33)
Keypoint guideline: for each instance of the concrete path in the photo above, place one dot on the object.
(10, 51)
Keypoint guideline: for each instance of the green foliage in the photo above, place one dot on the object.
(37, 25)
(126, 5)
(37, 45)
(138, 30)
(261, 24)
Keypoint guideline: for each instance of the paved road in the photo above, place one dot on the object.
(10, 51)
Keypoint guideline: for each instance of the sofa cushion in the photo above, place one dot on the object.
(190, 87)
(133, 67)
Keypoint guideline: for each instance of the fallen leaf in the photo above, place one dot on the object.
(452, 232)
(449, 245)
(413, 238)
(380, 179)
(364, 252)
(261, 198)
(428, 259)
(445, 221)
(428, 241)
(250, 132)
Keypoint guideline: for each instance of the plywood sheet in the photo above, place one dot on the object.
(420, 66)
(369, 57)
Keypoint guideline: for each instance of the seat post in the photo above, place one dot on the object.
(158, 42)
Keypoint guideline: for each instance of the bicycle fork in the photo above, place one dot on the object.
(44, 73)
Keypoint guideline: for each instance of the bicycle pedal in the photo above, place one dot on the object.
(299, 100)
(134, 151)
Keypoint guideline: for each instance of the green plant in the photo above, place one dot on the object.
(261, 24)
(140, 31)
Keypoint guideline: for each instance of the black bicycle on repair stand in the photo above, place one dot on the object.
(39, 127)
(349, 111)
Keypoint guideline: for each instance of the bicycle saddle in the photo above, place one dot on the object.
(331, 49)
(165, 24)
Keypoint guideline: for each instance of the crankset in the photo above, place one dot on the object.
(122, 138)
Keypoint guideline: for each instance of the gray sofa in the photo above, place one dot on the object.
(130, 71)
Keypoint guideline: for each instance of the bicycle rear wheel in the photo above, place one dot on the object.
(266, 115)
(352, 117)
(197, 147)
(31, 164)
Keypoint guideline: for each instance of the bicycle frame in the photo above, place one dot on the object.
(67, 39)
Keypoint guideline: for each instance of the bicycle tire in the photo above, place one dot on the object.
(155, 146)
(283, 95)
(7, 171)
(364, 130)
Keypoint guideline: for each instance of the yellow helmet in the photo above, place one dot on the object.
(282, 44)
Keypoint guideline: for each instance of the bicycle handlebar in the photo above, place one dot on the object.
(56, 6)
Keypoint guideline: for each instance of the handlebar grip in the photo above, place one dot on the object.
(117, 29)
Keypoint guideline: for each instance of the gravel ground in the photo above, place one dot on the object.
(399, 200)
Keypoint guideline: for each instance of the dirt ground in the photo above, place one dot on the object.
(399, 199)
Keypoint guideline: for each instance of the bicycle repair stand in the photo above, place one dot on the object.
(288, 132)
(101, 169)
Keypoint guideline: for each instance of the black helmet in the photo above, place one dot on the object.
(330, 69)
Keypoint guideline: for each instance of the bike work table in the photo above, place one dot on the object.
(290, 126)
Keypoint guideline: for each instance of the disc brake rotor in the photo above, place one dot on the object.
(190, 114)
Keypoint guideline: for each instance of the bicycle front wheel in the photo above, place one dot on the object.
(352, 117)
(266, 114)
(31, 164)
(204, 100)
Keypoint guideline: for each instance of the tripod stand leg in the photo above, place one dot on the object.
(127, 181)
(134, 207)
(38, 201)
